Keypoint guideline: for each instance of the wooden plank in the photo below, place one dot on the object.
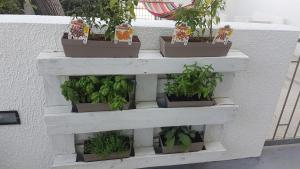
(144, 137)
(213, 153)
(63, 144)
(66, 158)
(149, 62)
(70, 123)
(53, 91)
(146, 88)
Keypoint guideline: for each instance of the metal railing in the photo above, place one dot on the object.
(142, 13)
(288, 122)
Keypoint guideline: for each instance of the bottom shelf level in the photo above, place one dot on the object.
(212, 153)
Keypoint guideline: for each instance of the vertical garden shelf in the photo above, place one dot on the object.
(62, 124)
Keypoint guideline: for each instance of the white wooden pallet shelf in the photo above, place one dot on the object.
(62, 124)
(148, 62)
(213, 151)
(73, 123)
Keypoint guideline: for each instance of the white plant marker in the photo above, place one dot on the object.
(79, 30)
(123, 33)
(181, 34)
(223, 35)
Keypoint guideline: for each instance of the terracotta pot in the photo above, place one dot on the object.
(197, 146)
(193, 49)
(174, 104)
(100, 49)
(89, 107)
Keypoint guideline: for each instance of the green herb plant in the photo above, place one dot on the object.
(104, 144)
(116, 12)
(182, 135)
(87, 10)
(110, 12)
(201, 16)
(195, 81)
(113, 90)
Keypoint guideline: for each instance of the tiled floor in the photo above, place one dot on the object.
(274, 157)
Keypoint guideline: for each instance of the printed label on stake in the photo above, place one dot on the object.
(123, 33)
(181, 34)
(223, 35)
(79, 30)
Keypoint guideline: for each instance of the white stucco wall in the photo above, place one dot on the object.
(287, 10)
(26, 146)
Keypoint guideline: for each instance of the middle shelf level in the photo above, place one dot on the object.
(148, 62)
(60, 120)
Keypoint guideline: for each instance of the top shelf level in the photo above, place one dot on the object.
(148, 62)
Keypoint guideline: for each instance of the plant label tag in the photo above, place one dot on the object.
(123, 33)
(223, 35)
(79, 30)
(181, 34)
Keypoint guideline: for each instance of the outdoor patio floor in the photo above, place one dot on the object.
(273, 157)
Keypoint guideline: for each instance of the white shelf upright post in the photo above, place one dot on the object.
(63, 144)
(146, 91)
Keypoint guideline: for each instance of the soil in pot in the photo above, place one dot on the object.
(197, 47)
(197, 145)
(98, 47)
(87, 157)
(173, 102)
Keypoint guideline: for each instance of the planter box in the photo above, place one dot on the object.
(100, 49)
(175, 104)
(94, 157)
(193, 49)
(89, 107)
(197, 146)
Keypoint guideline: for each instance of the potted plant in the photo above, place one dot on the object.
(191, 25)
(91, 93)
(180, 139)
(116, 42)
(193, 88)
(106, 146)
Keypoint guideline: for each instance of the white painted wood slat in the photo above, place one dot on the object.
(149, 62)
(70, 123)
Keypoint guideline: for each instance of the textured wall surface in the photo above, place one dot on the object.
(23, 37)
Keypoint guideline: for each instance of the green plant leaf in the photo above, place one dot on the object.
(185, 140)
(170, 142)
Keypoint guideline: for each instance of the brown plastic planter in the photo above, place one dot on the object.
(100, 49)
(179, 149)
(175, 104)
(94, 157)
(192, 49)
(89, 107)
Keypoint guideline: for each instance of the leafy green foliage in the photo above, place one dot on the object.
(183, 136)
(12, 6)
(116, 12)
(113, 90)
(201, 16)
(111, 12)
(88, 10)
(104, 144)
(194, 81)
